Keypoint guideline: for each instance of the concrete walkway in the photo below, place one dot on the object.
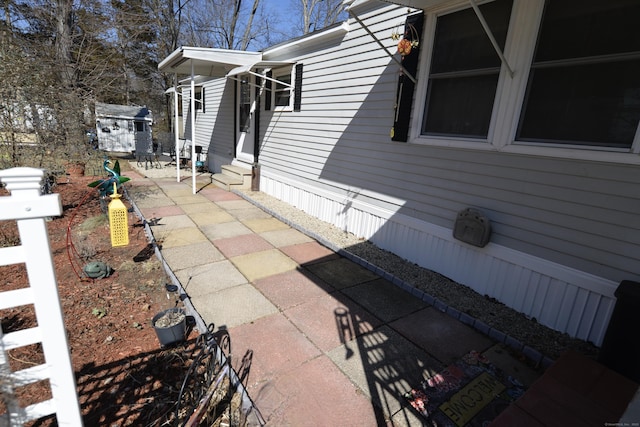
(326, 341)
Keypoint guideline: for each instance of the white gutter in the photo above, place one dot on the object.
(306, 40)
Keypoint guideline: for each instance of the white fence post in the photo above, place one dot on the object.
(29, 208)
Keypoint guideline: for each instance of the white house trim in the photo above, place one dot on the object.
(319, 36)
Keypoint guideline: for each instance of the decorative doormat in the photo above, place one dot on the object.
(471, 392)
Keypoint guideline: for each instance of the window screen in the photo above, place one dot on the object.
(282, 93)
(464, 72)
(584, 83)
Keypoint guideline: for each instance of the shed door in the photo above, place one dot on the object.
(143, 137)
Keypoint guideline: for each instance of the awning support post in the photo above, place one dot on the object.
(270, 79)
(192, 103)
(176, 130)
(404, 70)
(487, 30)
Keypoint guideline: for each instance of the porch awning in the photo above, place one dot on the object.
(258, 64)
(200, 64)
(206, 61)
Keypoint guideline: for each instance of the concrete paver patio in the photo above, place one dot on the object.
(329, 341)
(325, 341)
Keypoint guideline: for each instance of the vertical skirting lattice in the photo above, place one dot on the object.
(29, 209)
(557, 296)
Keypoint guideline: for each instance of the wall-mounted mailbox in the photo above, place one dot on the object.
(472, 227)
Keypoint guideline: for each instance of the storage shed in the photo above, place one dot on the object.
(121, 128)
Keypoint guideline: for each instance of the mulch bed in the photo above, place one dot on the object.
(123, 376)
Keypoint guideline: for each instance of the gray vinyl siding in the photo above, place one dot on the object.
(215, 126)
(337, 84)
(219, 97)
(581, 214)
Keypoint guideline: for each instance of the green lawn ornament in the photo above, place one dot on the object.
(105, 186)
(97, 270)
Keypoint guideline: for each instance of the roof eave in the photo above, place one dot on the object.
(307, 41)
(206, 61)
(417, 4)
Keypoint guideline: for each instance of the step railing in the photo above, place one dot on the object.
(30, 209)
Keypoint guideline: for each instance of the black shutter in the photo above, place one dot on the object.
(267, 93)
(297, 89)
(404, 94)
(202, 99)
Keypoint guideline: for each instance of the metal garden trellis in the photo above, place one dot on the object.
(29, 208)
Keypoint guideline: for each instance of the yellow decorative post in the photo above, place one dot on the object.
(118, 220)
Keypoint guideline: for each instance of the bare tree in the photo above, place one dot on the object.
(168, 20)
(30, 127)
(54, 55)
(318, 14)
(247, 36)
(59, 56)
(63, 15)
(226, 24)
(166, 16)
(10, 53)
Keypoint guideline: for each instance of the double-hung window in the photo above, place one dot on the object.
(584, 83)
(282, 89)
(199, 98)
(464, 72)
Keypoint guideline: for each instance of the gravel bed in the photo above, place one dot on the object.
(520, 332)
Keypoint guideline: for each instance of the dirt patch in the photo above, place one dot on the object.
(123, 375)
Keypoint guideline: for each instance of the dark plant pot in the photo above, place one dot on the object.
(170, 326)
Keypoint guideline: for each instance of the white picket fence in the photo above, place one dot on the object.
(29, 208)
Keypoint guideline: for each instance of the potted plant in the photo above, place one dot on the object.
(170, 326)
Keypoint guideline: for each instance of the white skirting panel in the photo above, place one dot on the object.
(557, 296)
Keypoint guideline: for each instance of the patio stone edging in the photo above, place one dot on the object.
(190, 309)
(534, 356)
(200, 325)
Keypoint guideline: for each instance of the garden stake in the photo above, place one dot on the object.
(71, 249)
(118, 220)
